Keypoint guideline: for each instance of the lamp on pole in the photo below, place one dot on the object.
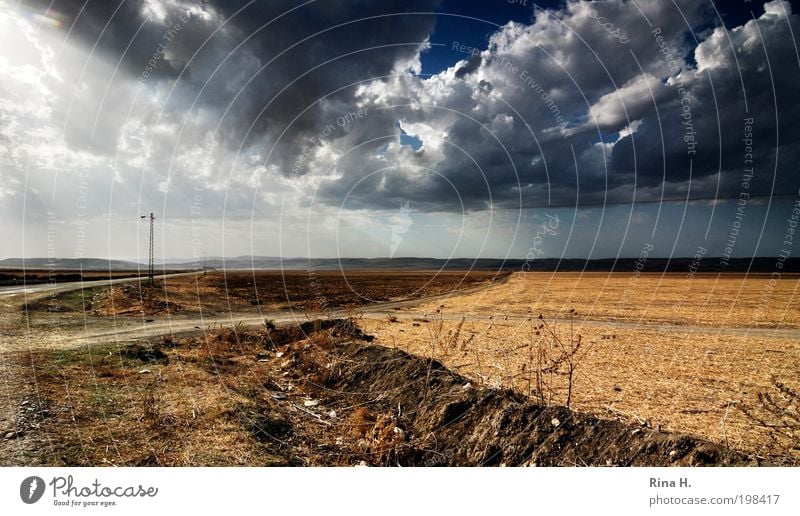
(150, 264)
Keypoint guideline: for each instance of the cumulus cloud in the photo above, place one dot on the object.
(166, 94)
(588, 119)
(269, 105)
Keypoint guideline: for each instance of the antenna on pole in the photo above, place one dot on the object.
(150, 263)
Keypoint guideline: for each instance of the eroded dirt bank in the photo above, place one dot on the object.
(317, 394)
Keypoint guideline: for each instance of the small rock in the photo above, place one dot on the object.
(399, 432)
(467, 386)
(279, 354)
(555, 422)
(332, 414)
(10, 435)
(672, 454)
(310, 403)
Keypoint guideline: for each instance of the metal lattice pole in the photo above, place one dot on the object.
(152, 220)
(150, 261)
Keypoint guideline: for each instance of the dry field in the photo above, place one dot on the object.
(732, 300)
(312, 290)
(316, 395)
(656, 352)
(675, 353)
(265, 291)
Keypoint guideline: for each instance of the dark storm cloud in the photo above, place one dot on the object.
(561, 110)
(663, 114)
(723, 97)
(258, 57)
(113, 28)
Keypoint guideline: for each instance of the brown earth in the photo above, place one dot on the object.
(692, 355)
(317, 394)
(256, 291)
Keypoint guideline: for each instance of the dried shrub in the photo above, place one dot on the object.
(778, 411)
(152, 413)
(381, 434)
(554, 353)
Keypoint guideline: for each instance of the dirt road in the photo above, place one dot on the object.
(57, 288)
(133, 329)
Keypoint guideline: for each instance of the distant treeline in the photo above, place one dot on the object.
(10, 277)
(30, 279)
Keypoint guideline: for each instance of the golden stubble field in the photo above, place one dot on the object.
(684, 354)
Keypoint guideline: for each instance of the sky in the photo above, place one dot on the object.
(355, 128)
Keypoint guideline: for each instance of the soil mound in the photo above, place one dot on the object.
(131, 299)
(318, 394)
(412, 411)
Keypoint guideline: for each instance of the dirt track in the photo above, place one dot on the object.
(131, 330)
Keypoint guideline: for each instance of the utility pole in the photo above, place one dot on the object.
(150, 264)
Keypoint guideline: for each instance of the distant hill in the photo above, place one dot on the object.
(708, 264)
(87, 264)
(677, 265)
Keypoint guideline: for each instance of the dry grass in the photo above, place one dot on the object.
(755, 301)
(124, 410)
(232, 396)
(687, 380)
